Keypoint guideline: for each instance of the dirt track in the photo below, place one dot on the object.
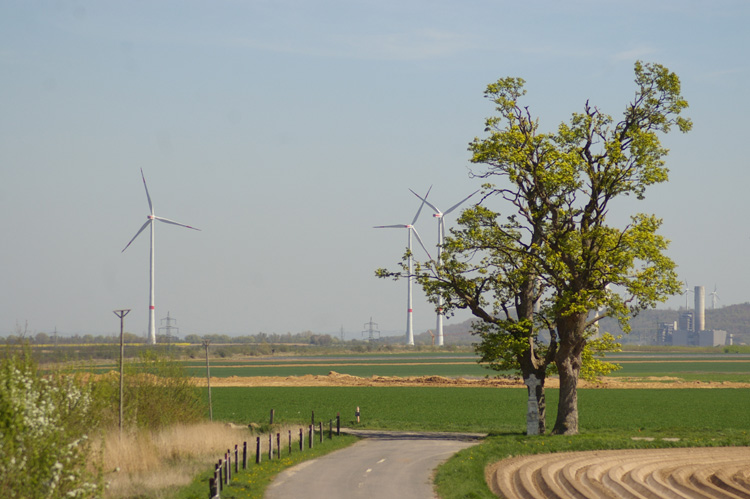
(337, 379)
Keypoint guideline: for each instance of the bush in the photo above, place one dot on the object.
(44, 446)
(158, 393)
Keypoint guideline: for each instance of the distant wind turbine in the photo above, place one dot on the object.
(410, 280)
(150, 222)
(686, 292)
(441, 234)
(714, 298)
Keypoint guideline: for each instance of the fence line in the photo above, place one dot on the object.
(223, 472)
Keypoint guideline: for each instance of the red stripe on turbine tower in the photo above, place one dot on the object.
(151, 307)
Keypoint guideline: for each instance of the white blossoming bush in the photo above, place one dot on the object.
(44, 448)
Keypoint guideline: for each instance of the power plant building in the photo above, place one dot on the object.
(691, 327)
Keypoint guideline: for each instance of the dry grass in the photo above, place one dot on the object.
(151, 464)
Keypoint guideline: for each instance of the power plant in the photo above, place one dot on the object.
(690, 329)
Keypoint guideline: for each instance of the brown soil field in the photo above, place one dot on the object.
(336, 379)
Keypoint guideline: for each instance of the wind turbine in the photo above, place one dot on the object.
(686, 292)
(441, 233)
(150, 222)
(410, 280)
(714, 298)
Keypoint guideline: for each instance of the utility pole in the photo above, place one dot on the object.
(121, 314)
(208, 381)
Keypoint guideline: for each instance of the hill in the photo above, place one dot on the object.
(734, 319)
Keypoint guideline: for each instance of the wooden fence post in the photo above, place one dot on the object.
(219, 475)
(236, 460)
(301, 440)
(244, 455)
(321, 431)
(257, 450)
(330, 429)
(213, 491)
(290, 441)
(311, 436)
(338, 424)
(278, 445)
(270, 446)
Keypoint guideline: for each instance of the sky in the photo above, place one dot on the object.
(286, 130)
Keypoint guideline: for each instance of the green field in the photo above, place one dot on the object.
(609, 419)
(492, 410)
(635, 365)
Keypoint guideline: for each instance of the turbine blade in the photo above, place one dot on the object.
(427, 202)
(150, 206)
(168, 221)
(421, 243)
(399, 226)
(459, 203)
(420, 206)
(137, 234)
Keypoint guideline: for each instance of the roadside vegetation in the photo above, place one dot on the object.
(157, 457)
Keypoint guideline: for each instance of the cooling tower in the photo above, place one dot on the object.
(700, 308)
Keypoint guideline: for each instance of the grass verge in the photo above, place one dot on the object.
(463, 475)
(252, 482)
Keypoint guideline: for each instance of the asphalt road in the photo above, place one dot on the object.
(383, 465)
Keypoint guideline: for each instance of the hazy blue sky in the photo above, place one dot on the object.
(286, 130)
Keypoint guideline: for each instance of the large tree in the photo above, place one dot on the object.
(555, 261)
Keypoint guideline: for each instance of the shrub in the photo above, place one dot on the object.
(44, 447)
(158, 393)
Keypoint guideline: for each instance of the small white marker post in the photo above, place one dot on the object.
(532, 416)
(357, 414)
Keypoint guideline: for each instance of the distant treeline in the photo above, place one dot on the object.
(306, 338)
(734, 319)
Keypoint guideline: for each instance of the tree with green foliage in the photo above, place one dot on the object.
(555, 262)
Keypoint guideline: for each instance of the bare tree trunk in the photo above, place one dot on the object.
(568, 368)
(568, 359)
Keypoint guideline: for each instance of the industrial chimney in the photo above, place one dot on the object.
(700, 308)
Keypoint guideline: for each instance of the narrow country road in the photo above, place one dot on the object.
(383, 465)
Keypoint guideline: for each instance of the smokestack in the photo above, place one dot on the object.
(700, 308)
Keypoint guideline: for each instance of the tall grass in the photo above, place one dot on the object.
(153, 463)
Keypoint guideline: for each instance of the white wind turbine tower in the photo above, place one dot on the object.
(441, 234)
(410, 280)
(150, 222)
(714, 298)
(686, 292)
